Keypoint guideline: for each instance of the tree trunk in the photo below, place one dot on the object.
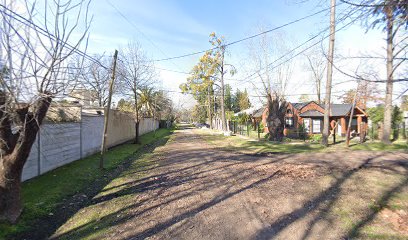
(136, 141)
(10, 192)
(209, 108)
(16, 151)
(388, 92)
(276, 118)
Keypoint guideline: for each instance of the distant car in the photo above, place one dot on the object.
(201, 125)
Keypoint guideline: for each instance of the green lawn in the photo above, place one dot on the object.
(247, 145)
(43, 194)
(251, 145)
(379, 146)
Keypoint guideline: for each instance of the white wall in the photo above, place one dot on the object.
(147, 125)
(91, 134)
(58, 144)
(121, 128)
(55, 146)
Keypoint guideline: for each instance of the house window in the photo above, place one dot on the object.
(289, 111)
(289, 122)
(316, 126)
(306, 124)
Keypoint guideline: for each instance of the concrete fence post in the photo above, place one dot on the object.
(39, 152)
(80, 135)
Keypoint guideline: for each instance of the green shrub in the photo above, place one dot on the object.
(316, 138)
(286, 139)
(266, 136)
(302, 132)
(261, 127)
(243, 118)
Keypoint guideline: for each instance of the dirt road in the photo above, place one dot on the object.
(200, 192)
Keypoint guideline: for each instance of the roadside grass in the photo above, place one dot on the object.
(379, 146)
(43, 194)
(250, 144)
(246, 145)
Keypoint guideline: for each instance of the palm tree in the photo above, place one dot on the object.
(152, 101)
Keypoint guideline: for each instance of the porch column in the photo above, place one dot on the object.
(359, 121)
(332, 124)
(343, 126)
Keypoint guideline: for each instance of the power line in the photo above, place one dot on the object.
(245, 80)
(218, 95)
(169, 70)
(246, 38)
(46, 33)
(267, 67)
(250, 76)
(137, 29)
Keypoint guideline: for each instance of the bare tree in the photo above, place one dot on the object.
(391, 16)
(316, 64)
(274, 70)
(136, 72)
(36, 58)
(95, 76)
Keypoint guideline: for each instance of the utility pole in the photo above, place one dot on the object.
(105, 125)
(326, 121)
(223, 118)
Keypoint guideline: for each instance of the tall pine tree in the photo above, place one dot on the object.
(244, 102)
(228, 97)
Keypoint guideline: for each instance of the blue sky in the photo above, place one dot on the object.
(179, 26)
(167, 28)
(182, 25)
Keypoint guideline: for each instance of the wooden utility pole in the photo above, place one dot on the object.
(326, 121)
(105, 125)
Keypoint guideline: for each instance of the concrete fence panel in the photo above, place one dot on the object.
(147, 125)
(121, 128)
(32, 166)
(58, 144)
(92, 131)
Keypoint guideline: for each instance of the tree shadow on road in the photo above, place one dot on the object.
(187, 174)
(44, 227)
(165, 180)
(326, 200)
